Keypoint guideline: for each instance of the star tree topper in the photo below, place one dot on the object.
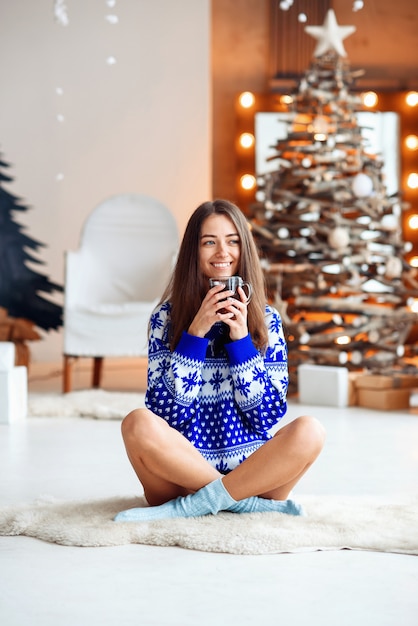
(330, 36)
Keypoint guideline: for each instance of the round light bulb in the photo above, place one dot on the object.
(246, 99)
(412, 98)
(343, 340)
(413, 222)
(248, 181)
(412, 181)
(411, 142)
(369, 98)
(246, 140)
(286, 99)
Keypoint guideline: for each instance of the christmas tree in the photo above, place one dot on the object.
(22, 288)
(329, 232)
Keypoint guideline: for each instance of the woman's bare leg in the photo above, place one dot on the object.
(275, 468)
(169, 466)
(166, 463)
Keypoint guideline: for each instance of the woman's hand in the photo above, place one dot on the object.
(238, 328)
(215, 307)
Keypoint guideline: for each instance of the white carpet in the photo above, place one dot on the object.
(332, 523)
(93, 403)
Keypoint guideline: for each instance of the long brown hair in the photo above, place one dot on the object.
(188, 286)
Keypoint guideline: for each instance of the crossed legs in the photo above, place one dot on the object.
(170, 468)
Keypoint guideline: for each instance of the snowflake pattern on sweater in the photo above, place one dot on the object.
(223, 396)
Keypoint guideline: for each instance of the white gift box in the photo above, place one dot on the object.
(323, 385)
(13, 395)
(7, 355)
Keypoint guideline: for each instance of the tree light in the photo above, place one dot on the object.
(286, 99)
(343, 340)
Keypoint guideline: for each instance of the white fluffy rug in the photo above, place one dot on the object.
(332, 523)
(93, 403)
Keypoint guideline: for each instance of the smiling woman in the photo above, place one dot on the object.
(216, 242)
(219, 252)
(217, 383)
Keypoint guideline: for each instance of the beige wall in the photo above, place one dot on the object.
(141, 125)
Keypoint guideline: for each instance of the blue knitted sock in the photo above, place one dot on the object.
(210, 499)
(255, 504)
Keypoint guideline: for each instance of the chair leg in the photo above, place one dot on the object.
(67, 378)
(97, 371)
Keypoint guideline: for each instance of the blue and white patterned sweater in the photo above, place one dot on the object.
(223, 396)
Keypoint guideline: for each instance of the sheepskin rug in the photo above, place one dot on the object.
(332, 523)
(92, 403)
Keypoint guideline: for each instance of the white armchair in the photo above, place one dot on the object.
(114, 280)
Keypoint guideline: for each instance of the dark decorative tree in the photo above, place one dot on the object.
(21, 288)
(330, 234)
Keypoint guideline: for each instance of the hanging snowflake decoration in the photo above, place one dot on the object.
(61, 13)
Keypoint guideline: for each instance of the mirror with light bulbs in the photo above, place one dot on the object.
(380, 130)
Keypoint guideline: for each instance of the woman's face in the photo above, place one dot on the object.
(219, 247)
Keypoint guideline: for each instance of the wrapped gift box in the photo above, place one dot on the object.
(381, 381)
(7, 355)
(386, 393)
(384, 399)
(323, 385)
(13, 395)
